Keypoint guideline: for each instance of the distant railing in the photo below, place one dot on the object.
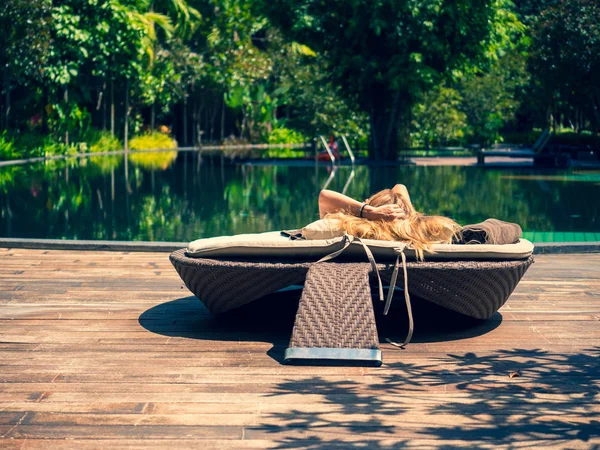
(330, 152)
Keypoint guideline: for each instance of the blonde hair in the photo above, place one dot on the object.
(418, 230)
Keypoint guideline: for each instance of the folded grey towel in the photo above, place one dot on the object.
(490, 231)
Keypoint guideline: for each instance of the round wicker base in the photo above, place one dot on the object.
(474, 288)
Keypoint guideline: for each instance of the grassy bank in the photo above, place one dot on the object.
(33, 145)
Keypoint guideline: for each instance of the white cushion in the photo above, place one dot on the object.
(273, 245)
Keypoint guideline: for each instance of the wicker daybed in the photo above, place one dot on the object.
(335, 319)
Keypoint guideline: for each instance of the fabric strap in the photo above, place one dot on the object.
(373, 265)
(411, 326)
(346, 241)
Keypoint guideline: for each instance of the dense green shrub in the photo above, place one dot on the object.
(7, 147)
(29, 144)
(152, 140)
(286, 136)
(53, 148)
(103, 141)
(285, 152)
(153, 160)
(33, 145)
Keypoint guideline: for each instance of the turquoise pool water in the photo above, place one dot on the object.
(180, 197)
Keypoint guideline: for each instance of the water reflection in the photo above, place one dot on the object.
(153, 160)
(179, 197)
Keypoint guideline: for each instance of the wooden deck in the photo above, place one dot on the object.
(108, 350)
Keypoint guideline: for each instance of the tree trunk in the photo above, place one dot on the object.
(7, 104)
(46, 101)
(595, 120)
(126, 131)
(205, 117)
(223, 120)
(153, 117)
(104, 107)
(66, 98)
(213, 117)
(185, 121)
(112, 107)
(195, 127)
(390, 122)
(243, 126)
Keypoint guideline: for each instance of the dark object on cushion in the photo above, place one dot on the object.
(294, 235)
(490, 231)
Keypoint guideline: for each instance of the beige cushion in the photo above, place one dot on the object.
(322, 229)
(273, 245)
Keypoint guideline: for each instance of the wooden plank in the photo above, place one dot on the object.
(403, 419)
(418, 402)
(67, 388)
(135, 444)
(105, 349)
(309, 442)
(68, 431)
(324, 430)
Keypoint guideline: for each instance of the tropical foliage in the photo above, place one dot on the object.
(387, 73)
(566, 61)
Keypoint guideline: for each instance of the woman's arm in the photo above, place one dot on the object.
(331, 202)
(401, 190)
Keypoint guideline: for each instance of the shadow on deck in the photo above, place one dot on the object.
(271, 319)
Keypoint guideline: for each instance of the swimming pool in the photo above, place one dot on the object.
(179, 197)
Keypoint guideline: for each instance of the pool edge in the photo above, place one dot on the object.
(95, 245)
(147, 246)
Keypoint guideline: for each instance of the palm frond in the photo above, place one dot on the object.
(187, 16)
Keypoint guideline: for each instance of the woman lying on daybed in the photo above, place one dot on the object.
(390, 215)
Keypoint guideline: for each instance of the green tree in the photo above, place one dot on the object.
(529, 10)
(306, 97)
(491, 99)
(437, 118)
(566, 55)
(384, 53)
(238, 66)
(25, 26)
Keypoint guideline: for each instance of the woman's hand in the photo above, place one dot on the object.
(384, 212)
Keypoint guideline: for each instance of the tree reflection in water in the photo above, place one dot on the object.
(181, 196)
